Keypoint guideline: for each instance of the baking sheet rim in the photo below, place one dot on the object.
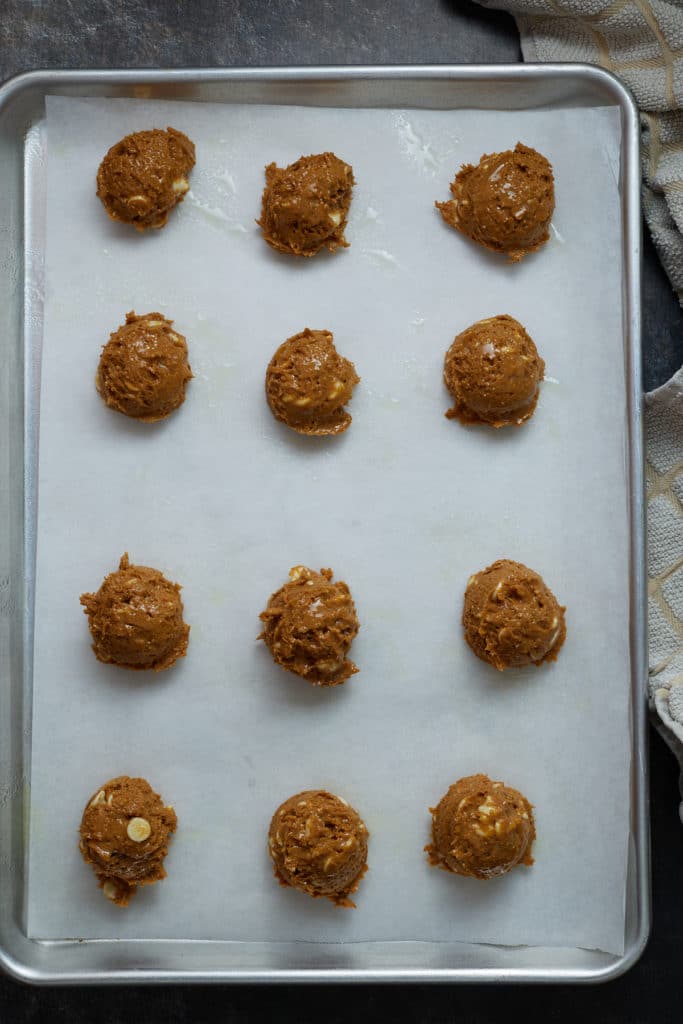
(66, 80)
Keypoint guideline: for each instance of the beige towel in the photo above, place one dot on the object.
(641, 41)
(664, 482)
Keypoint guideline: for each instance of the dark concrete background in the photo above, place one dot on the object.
(203, 33)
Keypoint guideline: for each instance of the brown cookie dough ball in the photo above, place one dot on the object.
(125, 832)
(493, 371)
(511, 618)
(319, 845)
(144, 176)
(505, 203)
(305, 206)
(136, 619)
(481, 828)
(143, 369)
(308, 384)
(309, 626)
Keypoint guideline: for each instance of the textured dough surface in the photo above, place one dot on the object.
(143, 369)
(319, 845)
(493, 371)
(124, 834)
(505, 202)
(511, 617)
(481, 829)
(144, 175)
(305, 206)
(308, 384)
(309, 625)
(136, 619)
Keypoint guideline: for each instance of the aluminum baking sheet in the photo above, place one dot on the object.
(404, 508)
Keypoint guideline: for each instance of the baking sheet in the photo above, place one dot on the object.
(404, 507)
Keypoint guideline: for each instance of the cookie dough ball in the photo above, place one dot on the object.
(511, 618)
(144, 176)
(493, 371)
(481, 828)
(305, 206)
(136, 619)
(143, 370)
(505, 203)
(319, 845)
(309, 625)
(308, 384)
(125, 832)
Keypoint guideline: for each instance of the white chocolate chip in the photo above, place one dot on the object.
(336, 389)
(110, 890)
(329, 665)
(154, 323)
(138, 829)
(181, 186)
(301, 403)
(335, 217)
(100, 798)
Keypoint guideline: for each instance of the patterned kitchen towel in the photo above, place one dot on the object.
(641, 41)
(664, 483)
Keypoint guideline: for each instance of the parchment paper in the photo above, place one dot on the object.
(404, 507)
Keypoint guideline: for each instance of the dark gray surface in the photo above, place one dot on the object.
(162, 33)
(85, 33)
(662, 321)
